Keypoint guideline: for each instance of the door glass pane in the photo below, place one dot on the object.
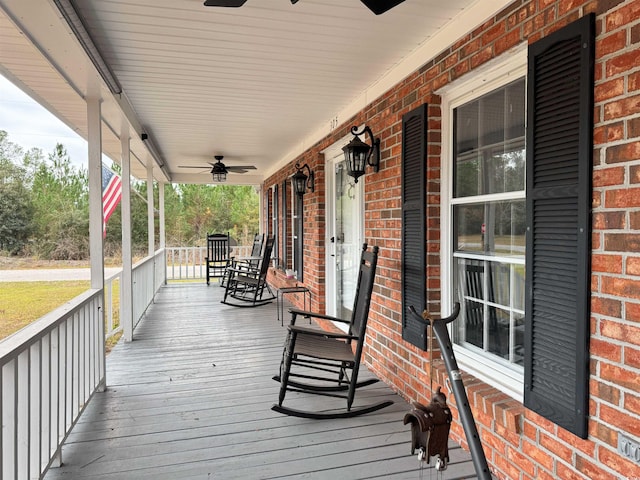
(347, 239)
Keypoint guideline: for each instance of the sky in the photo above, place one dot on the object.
(30, 125)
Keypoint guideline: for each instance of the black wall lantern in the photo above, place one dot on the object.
(301, 181)
(359, 154)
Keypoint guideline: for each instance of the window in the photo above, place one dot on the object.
(485, 225)
(489, 223)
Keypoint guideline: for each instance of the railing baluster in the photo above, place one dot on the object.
(3, 449)
(45, 399)
(22, 415)
(34, 407)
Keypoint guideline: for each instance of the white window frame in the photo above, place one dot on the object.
(497, 73)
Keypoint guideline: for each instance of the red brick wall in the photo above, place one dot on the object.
(519, 443)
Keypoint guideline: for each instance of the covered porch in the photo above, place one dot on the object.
(191, 398)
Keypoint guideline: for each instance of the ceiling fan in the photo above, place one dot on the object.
(376, 6)
(219, 170)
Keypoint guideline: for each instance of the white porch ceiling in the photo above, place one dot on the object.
(257, 84)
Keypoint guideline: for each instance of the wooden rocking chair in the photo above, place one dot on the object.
(217, 259)
(246, 286)
(310, 348)
(252, 261)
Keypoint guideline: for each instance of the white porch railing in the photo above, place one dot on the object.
(148, 275)
(188, 263)
(50, 369)
(112, 322)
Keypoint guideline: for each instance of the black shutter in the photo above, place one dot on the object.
(285, 254)
(274, 221)
(559, 153)
(267, 206)
(414, 268)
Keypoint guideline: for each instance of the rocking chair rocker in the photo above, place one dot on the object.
(311, 348)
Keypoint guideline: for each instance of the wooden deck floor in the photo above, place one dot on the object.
(190, 398)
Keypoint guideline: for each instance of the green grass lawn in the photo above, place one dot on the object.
(23, 302)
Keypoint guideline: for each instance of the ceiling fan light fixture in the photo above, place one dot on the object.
(218, 170)
(219, 177)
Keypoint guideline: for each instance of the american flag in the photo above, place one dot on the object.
(111, 194)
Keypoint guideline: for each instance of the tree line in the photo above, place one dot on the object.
(44, 208)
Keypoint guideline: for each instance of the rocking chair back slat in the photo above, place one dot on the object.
(256, 249)
(362, 301)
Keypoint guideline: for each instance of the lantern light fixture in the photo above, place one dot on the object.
(219, 171)
(359, 154)
(302, 181)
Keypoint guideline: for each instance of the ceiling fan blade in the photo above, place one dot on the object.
(224, 3)
(381, 6)
(193, 166)
(240, 168)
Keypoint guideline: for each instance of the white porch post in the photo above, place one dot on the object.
(162, 239)
(126, 286)
(150, 207)
(96, 251)
(96, 245)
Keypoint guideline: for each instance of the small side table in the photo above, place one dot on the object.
(280, 299)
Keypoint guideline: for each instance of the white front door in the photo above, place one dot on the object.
(345, 234)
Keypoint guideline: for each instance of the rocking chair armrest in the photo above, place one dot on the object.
(320, 333)
(305, 313)
(244, 271)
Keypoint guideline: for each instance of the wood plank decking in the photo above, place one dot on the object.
(190, 398)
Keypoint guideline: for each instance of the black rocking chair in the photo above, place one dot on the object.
(310, 348)
(252, 261)
(217, 259)
(247, 285)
